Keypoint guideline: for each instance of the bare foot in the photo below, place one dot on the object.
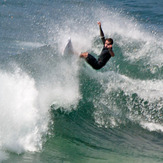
(84, 55)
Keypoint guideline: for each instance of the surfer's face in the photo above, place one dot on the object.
(108, 44)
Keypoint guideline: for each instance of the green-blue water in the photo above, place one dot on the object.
(55, 108)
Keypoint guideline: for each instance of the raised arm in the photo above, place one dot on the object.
(101, 33)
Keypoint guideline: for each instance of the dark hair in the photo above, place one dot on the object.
(110, 40)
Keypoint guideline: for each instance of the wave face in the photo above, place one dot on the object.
(56, 107)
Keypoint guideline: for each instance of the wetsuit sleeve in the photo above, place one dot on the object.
(102, 35)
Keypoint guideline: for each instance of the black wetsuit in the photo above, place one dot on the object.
(103, 57)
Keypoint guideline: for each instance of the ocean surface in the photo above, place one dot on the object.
(55, 108)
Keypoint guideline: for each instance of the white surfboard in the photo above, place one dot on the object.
(68, 50)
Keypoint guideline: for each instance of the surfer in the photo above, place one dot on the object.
(105, 55)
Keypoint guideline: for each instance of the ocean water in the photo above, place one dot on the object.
(57, 109)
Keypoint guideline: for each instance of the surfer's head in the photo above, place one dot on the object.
(108, 42)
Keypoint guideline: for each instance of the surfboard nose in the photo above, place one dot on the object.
(68, 48)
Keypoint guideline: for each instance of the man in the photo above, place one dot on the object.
(105, 55)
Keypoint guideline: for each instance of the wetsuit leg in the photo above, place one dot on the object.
(93, 61)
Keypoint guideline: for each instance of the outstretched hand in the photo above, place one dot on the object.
(99, 23)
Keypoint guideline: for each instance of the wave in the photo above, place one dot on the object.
(22, 122)
(29, 87)
(128, 100)
(127, 90)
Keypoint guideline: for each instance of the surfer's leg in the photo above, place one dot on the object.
(92, 61)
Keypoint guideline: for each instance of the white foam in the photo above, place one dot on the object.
(65, 91)
(20, 118)
(109, 114)
(152, 126)
(150, 90)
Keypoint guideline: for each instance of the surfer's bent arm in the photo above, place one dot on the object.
(111, 52)
(101, 33)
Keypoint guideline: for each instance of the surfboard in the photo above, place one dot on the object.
(68, 50)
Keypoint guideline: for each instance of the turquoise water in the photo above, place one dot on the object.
(56, 108)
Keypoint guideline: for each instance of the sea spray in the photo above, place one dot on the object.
(65, 90)
(135, 84)
(125, 99)
(121, 98)
(21, 129)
